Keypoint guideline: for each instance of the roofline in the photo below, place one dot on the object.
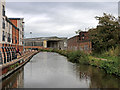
(84, 32)
(46, 37)
(7, 19)
(16, 18)
(73, 37)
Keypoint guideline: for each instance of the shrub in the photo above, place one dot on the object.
(78, 57)
(74, 56)
(113, 52)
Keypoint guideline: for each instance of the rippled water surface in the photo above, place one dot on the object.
(51, 70)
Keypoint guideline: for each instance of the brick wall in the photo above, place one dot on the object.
(80, 42)
(15, 32)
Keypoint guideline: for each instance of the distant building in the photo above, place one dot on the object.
(11, 35)
(80, 42)
(46, 42)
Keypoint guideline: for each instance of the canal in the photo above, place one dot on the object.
(51, 70)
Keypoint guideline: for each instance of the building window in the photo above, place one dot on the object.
(83, 35)
(65, 44)
(83, 38)
(3, 23)
(3, 36)
(3, 10)
(9, 39)
(15, 40)
(81, 49)
(86, 47)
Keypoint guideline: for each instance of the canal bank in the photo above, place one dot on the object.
(10, 68)
(110, 66)
(52, 70)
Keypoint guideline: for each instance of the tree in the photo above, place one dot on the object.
(77, 32)
(106, 34)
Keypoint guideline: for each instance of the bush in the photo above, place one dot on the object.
(74, 56)
(78, 57)
(113, 51)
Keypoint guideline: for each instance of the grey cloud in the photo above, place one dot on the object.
(63, 0)
(119, 8)
(40, 7)
(61, 19)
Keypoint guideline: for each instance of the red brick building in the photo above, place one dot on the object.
(17, 34)
(80, 42)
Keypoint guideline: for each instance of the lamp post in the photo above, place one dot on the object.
(23, 36)
(31, 34)
(31, 39)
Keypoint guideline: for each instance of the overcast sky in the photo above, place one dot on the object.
(61, 19)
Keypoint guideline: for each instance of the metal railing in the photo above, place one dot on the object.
(7, 54)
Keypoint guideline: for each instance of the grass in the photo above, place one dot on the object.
(110, 66)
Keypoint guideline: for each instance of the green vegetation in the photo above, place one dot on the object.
(106, 35)
(13, 66)
(78, 57)
(105, 40)
(110, 66)
(47, 50)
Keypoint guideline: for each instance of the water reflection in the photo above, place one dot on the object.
(51, 70)
(98, 78)
(16, 80)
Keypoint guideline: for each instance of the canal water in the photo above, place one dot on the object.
(51, 70)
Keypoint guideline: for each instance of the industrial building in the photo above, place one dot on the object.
(59, 43)
(80, 42)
